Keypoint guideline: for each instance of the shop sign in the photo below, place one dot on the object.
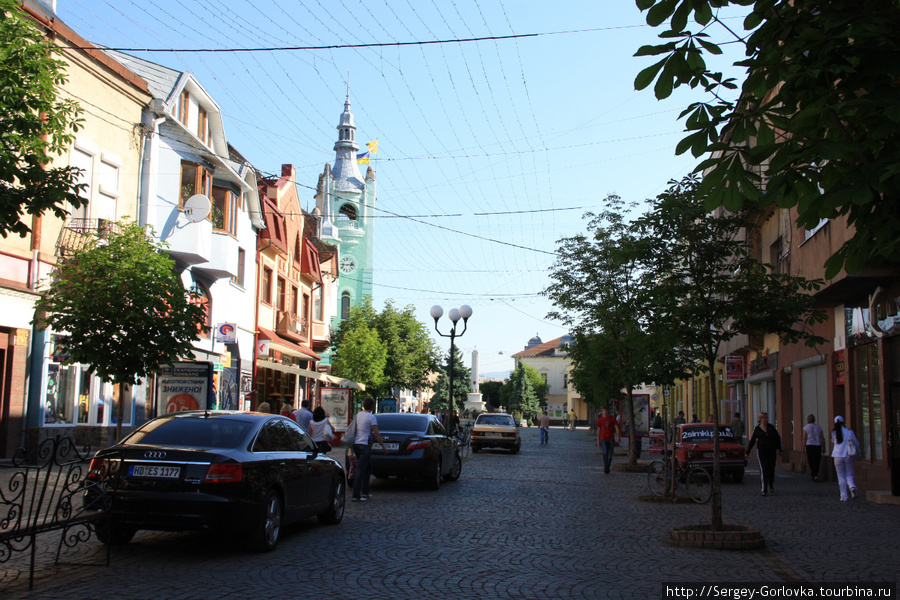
(840, 367)
(336, 403)
(226, 333)
(763, 363)
(262, 347)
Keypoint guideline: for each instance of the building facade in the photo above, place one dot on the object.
(39, 396)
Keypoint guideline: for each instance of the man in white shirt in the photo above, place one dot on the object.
(366, 428)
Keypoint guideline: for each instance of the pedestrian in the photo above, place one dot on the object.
(287, 410)
(320, 430)
(263, 408)
(738, 429)
(366, 428)
(695, 418)
(710, 419)
(303, 415)
(680, 420)
(573, 418)
(845, 449)
(813, 441)
(545, 427)
(768, 444)
(607, 427)
(657, 421)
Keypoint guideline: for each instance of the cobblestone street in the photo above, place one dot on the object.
(546, 523)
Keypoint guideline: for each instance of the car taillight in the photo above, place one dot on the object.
(418, 444)
(224, 473)
(96, 469)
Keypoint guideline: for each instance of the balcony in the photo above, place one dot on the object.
(223, 262)
(291, 327)
(77, 233)
(190, 242)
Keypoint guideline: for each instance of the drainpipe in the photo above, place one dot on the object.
(149, 160)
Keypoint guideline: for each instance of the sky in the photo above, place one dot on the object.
(489, 151)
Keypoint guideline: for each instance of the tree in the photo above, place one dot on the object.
(490, 392)
(518, 393)
(593, 372)
(411, 353)
(709, 288)
(600, 292)
(123, 308)
(360, 354)
(816, 125)
(462, 378)
(34, 125)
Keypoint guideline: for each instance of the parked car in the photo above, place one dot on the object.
(495, 430)
(417, 446)
(694, 448)
(247, 473)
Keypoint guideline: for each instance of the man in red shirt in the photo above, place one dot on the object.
(607, 428)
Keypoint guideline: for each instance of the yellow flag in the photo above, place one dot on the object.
(373, 147)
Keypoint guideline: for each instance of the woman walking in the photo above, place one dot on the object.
(769, 444)
(813, 440)
(845, 449)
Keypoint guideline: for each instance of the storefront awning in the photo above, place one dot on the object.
(276, 342)
(344, 382)
(264, 364)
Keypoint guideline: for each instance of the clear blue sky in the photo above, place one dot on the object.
(488, 151)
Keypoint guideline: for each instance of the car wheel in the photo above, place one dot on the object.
(335, 511)
(456, 471)
(267, 531)
(434, 478)
(113, 535)
(738, 476)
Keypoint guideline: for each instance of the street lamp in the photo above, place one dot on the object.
(464, 312)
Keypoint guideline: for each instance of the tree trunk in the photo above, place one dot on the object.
(120, 412)
(716, 503)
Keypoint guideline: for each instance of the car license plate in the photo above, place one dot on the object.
(155, 471)
(708, 454)
(392, 446)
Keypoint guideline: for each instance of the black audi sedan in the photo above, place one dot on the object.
(247, 473)
(417, 446)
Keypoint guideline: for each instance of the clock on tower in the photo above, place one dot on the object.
(347, 265)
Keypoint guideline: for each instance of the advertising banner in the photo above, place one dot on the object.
(336, 403)
(734, 368)
(183, 386)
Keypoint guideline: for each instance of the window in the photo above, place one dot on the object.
(282, 289)
(195, 179)
(184, 103)
(85, 162)
(202, 125)
(239, 278)
(224, 210)
(294, 294)
(317, 304)
(348, 211)
(345, 305)
(267, 285)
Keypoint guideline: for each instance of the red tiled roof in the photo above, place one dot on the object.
(545, 349)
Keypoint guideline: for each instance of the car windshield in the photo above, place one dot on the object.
(192, 433)
(503, 420)
(704, 433)
(402, 422)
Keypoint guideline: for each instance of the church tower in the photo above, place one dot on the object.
(346, 203)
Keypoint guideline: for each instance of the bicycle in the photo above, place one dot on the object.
(697, 482)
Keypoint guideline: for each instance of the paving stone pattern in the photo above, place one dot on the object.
(545, 523)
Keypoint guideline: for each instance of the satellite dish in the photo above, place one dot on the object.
(197, 208)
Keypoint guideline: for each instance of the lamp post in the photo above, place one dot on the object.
(463, 312)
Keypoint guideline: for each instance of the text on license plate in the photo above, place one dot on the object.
(155, 471)
(392, 445)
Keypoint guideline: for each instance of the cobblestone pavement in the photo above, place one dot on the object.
(546, 523)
